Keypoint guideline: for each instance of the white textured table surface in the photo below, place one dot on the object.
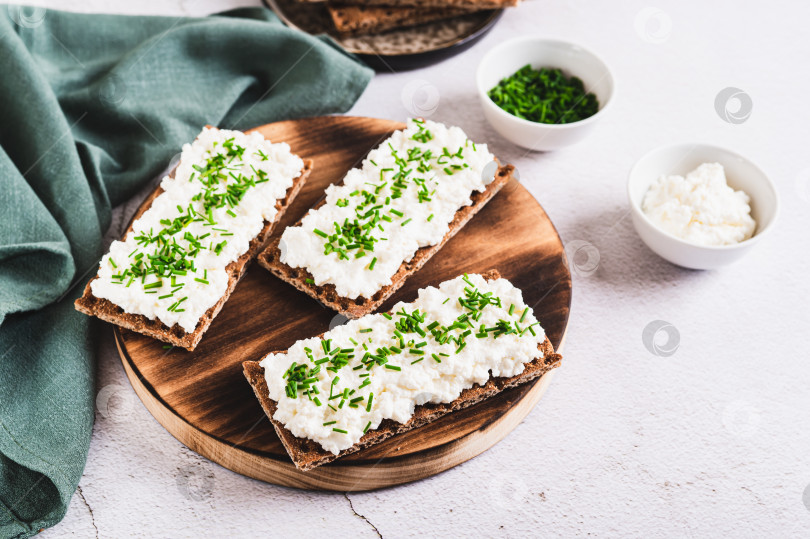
(710, 441)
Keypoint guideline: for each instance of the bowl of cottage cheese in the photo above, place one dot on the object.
(700, 206)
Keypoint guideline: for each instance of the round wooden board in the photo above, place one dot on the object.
(203, 399)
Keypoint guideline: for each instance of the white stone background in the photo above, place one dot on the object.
(711, 441)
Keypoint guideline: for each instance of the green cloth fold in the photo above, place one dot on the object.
(92, 107)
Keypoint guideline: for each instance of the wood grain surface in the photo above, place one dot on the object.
(203, 399)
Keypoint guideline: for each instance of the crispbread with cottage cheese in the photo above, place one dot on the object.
(109, 311)
(329, 295)
(308, 454)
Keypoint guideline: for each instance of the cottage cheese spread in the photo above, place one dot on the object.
(378, 368)
(171, 266)
(404, 196)
(700, 208)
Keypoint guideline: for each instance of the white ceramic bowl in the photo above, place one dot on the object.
(574, 60)
(682, 159)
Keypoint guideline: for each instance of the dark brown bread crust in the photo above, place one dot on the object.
(307, 454)
(467, 4)
(270, 258)
(470, 4)
(110, 312)
(361, 19)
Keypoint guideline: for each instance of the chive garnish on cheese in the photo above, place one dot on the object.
(419, 178)
(374, 367)
(180, 240)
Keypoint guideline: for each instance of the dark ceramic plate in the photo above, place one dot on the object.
(396, 50)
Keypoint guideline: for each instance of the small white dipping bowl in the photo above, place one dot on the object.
(574, 60)
(741, 174)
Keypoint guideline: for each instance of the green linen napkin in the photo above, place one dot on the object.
(91, 107)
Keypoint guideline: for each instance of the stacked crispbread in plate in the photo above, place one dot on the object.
(375, 16)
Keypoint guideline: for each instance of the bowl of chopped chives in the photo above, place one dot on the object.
(543, 94)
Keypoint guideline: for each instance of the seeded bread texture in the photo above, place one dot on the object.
(362, 19)
(175, 335)
(270, 258)
(307, 454)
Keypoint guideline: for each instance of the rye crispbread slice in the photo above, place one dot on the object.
(270, 258)
(465, 4)
(307, 454)
(469, 4)
(110, 312)
(362, 19)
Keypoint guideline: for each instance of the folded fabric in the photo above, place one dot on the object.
(91, 107)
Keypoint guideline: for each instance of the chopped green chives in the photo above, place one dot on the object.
(430, 217)
(156, 284)
(397, 212)
(544, 95)
(436, 358)
(365, 430)
(340, 430)
(523, 316)
(417, 360)
(203, 281)
(406, 221)
(309, 281)
(370, 400)
(373, 261)
(445, 301)
(511, 308)
(388, 316)
(393, 367)
(321, 233)
(366, 330)
(329, 423)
